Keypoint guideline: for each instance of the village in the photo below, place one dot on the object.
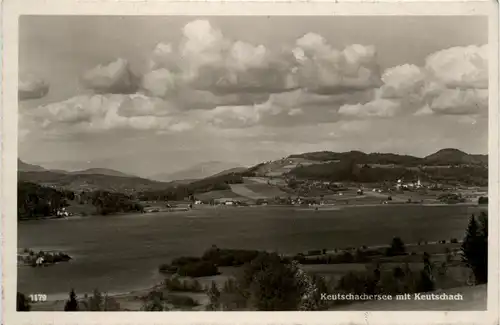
(323, 194)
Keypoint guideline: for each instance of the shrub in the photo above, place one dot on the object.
(397, 247)
(183, 260)
(482, 200)
(198, 269)
(174, 284)
(181, 301)
(229, 257)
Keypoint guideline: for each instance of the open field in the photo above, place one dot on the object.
(255, 190)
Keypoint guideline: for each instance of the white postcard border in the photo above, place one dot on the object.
(12, 9)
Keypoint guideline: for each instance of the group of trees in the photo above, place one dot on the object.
(269, 283)
(355, 171)
(208, 263)
(35, 201)
(182, 191)
(350, 170)
(113, 202)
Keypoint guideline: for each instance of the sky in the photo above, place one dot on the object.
(149, 95)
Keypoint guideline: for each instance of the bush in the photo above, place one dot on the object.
(174, 284)
(198, 269)
(99, 302)
(181, 301)
(482, 200)
(397, 247)
(183, 260)
(229, 257)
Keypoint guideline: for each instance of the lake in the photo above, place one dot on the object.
(122, 253)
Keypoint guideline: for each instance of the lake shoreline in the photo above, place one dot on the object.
(325, 207)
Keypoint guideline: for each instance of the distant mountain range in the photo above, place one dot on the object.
(25, 167)
(319, 164)
(200, 171)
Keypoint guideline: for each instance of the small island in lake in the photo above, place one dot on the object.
(42, 258)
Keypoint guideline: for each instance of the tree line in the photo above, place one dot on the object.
(36, 201)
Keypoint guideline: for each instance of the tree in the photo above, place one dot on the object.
(72, 303)
(96, 301)
(475, 248)
(425, 282)
(154, 302)
(397, 247)
(214, 296)
(269, 283)
(23, 303)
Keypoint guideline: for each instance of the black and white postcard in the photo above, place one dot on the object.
(204, 158)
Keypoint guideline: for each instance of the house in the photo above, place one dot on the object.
(224, 201)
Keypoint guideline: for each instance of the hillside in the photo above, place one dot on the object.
(455, 156)
(199, 171)
(91, 182)
(447, 165)
(101, 171)
(442, 157)
(25, 167)
(182, 191)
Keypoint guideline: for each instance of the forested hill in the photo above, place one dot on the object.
(442, 157)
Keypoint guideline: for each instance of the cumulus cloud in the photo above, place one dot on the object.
(452, 82)
(106, 112)
(233, 116)
(210, 80)
(159, 83)
(31, 87)
(402, 81)
(324, 69)
(382, 108)
(114, 78)
(460, 67)
(461, 102)
(207, 60)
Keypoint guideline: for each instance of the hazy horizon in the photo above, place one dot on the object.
(150, 95)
